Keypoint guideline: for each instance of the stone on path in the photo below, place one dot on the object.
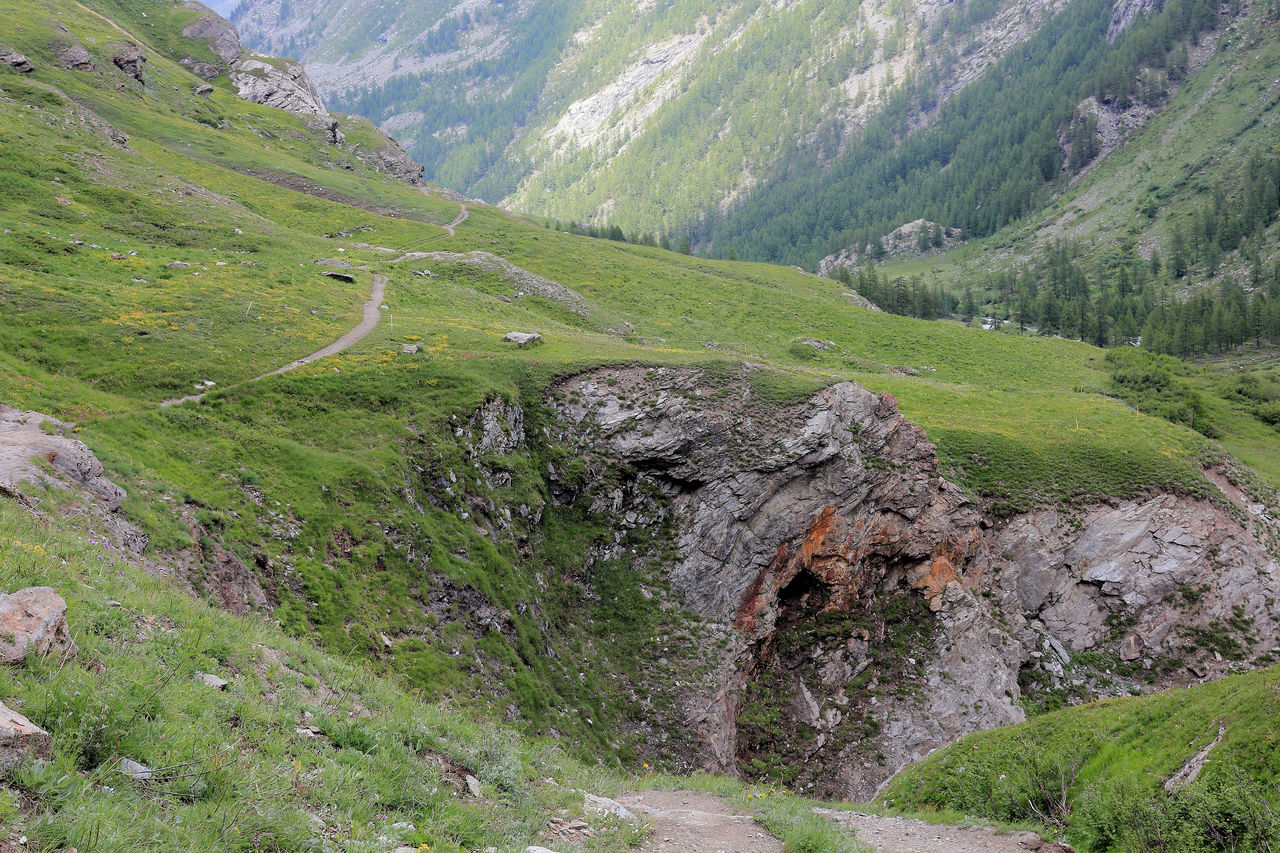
(20, 739)
(33, 620)
(606, 806)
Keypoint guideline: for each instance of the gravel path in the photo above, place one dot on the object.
(457, 220)
(369, 322)
(686, 822)
(899, 835)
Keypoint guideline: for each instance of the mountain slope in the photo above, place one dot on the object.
(722, 514)
(647, 114)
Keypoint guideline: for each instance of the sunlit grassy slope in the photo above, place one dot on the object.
(99, 328)
(1098, 771)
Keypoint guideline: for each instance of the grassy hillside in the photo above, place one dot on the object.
(347, 488)
(1097, 772)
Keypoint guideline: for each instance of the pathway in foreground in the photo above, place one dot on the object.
(685, 822)
(899, 835)
(369, 322)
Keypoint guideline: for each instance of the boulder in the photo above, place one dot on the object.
(409, 349)
(177, 265)
(15, 60)
(340, 276)
(20, 739)
(205, 70)
(33, 620)
(473, 786)
(522, 339)
(130, 59)
(204, 90)
(75, 57)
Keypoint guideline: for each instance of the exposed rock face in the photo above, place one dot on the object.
(1170, 585)
(215, 31)
(26, 437)
(20, 739)
(916, 237)
(130, 59)
(15, 60)
(33, 621)
(74, 56)
(874, 613)
(1125, 12)
(285, 85)
(22, 441)
(204, 90)
(827, 513)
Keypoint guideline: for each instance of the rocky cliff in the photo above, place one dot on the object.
(874, 612)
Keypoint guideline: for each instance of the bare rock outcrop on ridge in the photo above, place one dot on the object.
(35, 449)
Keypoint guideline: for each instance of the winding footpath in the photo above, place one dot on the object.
(369, 322)
(457, 220)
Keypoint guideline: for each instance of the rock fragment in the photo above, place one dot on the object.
(20, 739)
(33, 620)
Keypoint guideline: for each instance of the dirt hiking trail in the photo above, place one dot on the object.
(686, 822)
(899, 835)
(369, 322)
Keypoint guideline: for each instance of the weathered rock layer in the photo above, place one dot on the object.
(876, 612)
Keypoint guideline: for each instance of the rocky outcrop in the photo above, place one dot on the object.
(130, 59)
(20, 739)
(15, 60)
(215, 31)
(1170, 589)
(915, 238)
(1125, 12)
(29, 436)
(873, 612)
(74, 56)
(284, 85)
(822, 535)
(35, 449)
(33, 621)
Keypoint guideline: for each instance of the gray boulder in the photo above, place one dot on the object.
(204, 90)
(75, 57)
(20, 739)
(33, 620)
(15, 60)
(522, 339)
(130, 59)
